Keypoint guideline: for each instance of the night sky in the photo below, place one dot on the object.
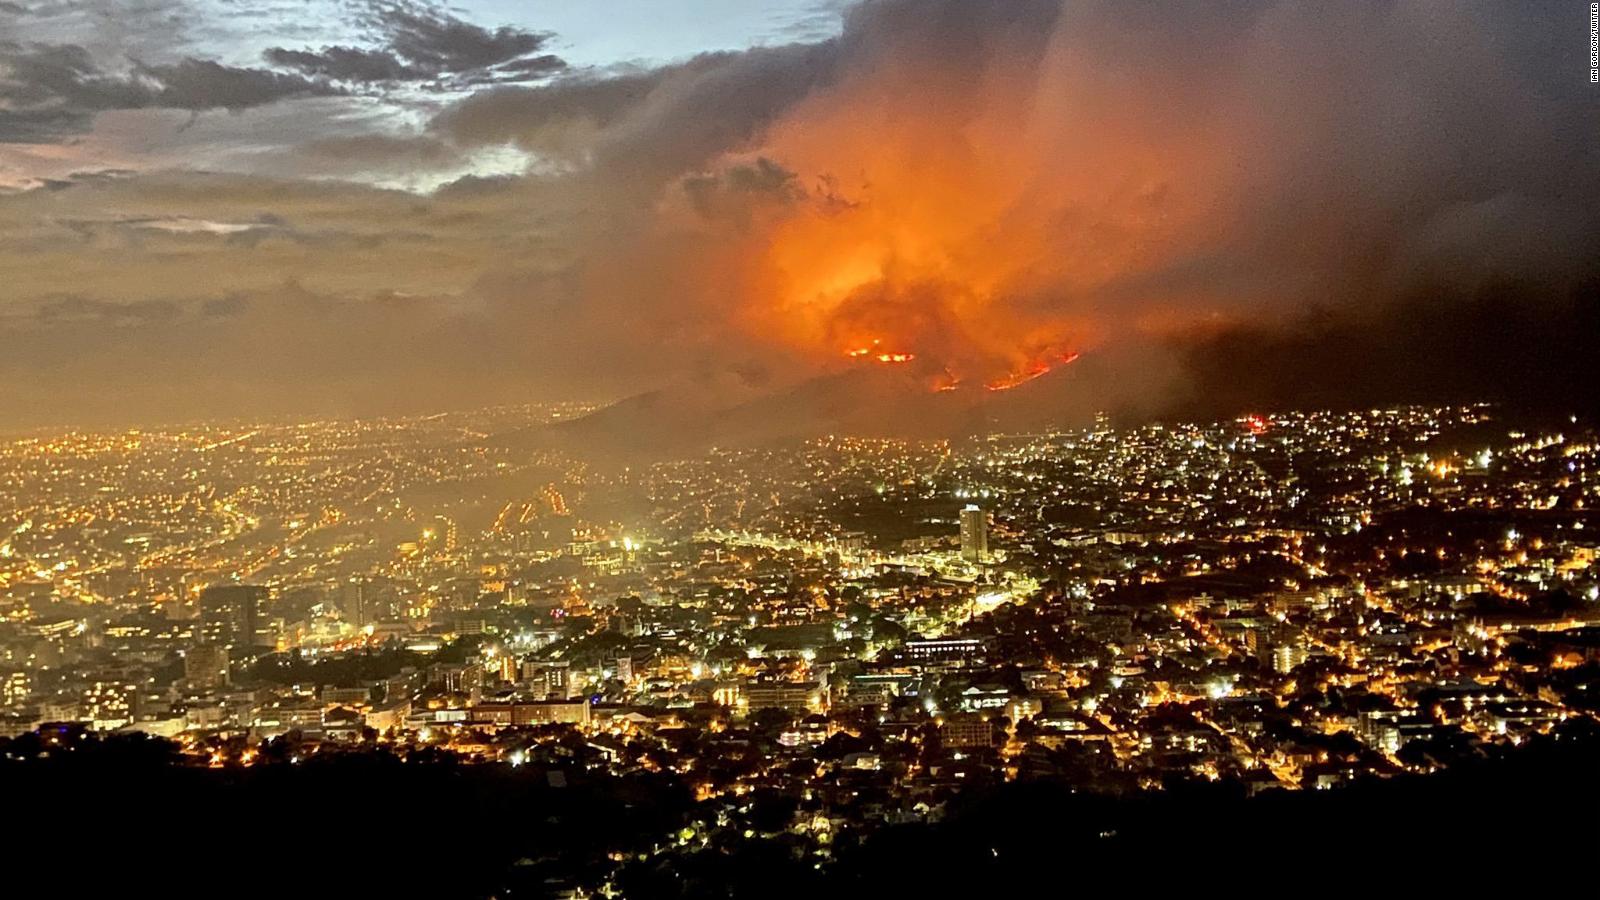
(268, 208)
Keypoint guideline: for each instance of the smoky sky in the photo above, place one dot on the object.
(1225, 206)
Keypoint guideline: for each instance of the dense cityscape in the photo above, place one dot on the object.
(813, 641)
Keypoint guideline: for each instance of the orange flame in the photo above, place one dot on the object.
(1035, 370)
(883, 356)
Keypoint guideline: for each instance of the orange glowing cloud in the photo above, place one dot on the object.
(977, 228)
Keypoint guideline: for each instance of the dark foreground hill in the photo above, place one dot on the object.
(126, 817)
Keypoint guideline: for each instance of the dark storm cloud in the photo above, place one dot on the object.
(51, 91)
(418, 42)
(343, 63)
(201, 84)
(648, 128)
(439, 42)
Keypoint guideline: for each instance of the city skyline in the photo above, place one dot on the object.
(817, 646)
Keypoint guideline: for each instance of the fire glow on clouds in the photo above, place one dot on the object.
(972, 192)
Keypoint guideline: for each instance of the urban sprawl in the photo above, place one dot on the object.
(864, 626)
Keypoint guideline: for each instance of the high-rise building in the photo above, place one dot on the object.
(110, 704)
(206, 665)
(551, 679)
(1288, 657)
(974, 534)
(355, 604)
(15, 687)
(1258, 643)
(234, 615)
